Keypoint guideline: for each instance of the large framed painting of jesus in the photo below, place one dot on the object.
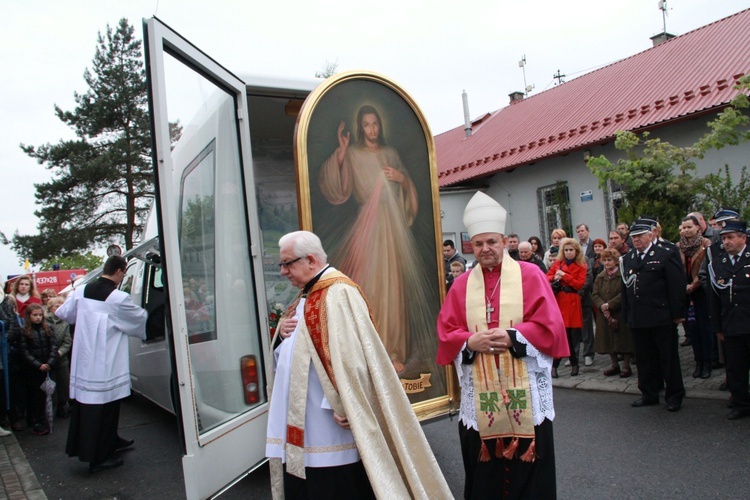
(367, 182)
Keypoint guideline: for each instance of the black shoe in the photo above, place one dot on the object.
(40, 430)
(674, 406)
(737, 414)
(124, 444)
(730, 403)
(554, 372)
(717, 364)
(706, 371)
(643, 402)
(723, 386)
(698, 370)
(574, 371)
(110, 463)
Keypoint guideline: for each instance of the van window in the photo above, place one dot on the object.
(153, 303)
(197, 233)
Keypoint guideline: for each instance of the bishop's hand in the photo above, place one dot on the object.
(494, 340)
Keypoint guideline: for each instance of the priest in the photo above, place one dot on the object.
(501, 328)
(100, 367)
(339, 420)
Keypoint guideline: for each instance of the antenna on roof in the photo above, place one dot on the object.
(663, 8)
(559, 77)
(522, 65)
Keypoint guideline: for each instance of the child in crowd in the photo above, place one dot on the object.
(61, 372)
(457, 269)
(38, 349)
(551, 254)
(45, 296)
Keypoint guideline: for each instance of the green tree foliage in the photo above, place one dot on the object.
(721, 191)
(329, 69)
(102, 181)
(658, 178)
(87, 261)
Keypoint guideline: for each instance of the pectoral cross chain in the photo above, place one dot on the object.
(491, 309)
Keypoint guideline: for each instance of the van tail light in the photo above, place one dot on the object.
(250, 385)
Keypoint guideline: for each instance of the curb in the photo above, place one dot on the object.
(18, 479)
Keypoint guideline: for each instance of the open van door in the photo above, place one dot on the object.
(212, 269)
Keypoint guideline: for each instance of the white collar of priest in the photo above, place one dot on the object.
(314, 280)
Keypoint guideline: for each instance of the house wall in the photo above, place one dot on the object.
(517, 190)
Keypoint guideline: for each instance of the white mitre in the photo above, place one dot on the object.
(484, 215)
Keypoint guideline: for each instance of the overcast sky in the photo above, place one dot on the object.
(433, 48)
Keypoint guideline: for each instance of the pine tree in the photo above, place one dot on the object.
(102, 182)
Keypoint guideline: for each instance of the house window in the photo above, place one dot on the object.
(554, 210)
(614, 198)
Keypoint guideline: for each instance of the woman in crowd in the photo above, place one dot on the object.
(692, 247)
(9, 319)
(537, 247)
(612, 333)
(568, 275)
(599, 246)
(61, 372)
(557, 235)
(15, 369)
(25, 293)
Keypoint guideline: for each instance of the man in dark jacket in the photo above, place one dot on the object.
(730, 311)
(653, 302)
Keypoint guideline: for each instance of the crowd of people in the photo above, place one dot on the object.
(42, 368)
(36, 346)
(624, 296)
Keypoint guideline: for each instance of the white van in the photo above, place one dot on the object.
(226, 191)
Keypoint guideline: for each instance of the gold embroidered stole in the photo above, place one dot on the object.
(502, 393)
(311, 345)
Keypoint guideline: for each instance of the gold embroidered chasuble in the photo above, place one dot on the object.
(338, 336)
(501, 382)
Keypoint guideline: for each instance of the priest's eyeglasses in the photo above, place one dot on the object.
(288, 264)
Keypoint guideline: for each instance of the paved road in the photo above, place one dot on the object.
(604, 449)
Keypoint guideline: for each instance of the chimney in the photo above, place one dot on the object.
(467, 119)
(515, 97)
(662, 37)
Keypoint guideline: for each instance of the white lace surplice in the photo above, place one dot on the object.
(539, 366)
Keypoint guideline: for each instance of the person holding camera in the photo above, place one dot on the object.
(567, 275)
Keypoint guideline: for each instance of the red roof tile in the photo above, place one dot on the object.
(683, 76)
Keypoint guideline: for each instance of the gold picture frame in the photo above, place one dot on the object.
(367, 186)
